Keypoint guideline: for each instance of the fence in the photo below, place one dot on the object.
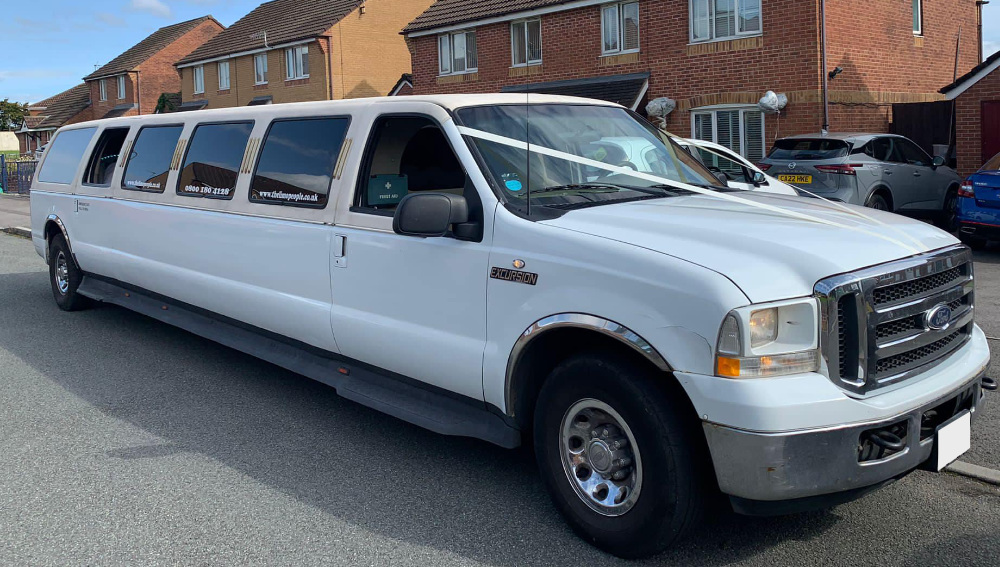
(16, 174)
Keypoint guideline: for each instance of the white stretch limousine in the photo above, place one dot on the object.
(498, 267)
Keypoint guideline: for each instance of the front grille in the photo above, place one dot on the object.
(900, 292)
(876, 322)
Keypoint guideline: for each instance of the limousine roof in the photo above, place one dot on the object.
(448, 101)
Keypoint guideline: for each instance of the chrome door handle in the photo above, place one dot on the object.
(340, 250)
(916, 174)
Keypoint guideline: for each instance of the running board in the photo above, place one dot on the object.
(438, 412)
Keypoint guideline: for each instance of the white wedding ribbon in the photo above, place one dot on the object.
(535, 148)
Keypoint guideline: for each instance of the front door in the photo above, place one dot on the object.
(413, 306)
(991, 129)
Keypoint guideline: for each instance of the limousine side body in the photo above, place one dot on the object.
(489, 330)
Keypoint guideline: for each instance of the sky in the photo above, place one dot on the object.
(51, 46)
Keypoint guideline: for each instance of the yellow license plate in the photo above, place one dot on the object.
(796, 178)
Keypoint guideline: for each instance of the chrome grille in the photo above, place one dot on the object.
(875, 329)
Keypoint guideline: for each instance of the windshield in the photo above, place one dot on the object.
(992, 165)
(803, 149)
(580, 143)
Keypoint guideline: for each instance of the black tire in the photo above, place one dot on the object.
(65, 276)
(949, 214)
(877, 201)
(673, 457)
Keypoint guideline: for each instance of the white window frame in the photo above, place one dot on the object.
(294, 69)
(121, 87)
(711, 23)
(450, 37)
(103, 86)
(260, 70)
(714, 111)
(223, 67)
(918, 17)
(198, 79)
(527, 60)
(620, 7)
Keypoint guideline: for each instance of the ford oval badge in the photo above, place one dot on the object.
(939, 317)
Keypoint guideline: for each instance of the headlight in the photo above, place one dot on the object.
(775, 339)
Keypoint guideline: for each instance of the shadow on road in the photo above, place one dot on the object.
(297, 436)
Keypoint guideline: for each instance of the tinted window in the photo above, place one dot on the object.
(64, 155)
(992, 165)
(213, 160)
(912, 154)
(149, 164)
(297, 161)
(806, 149)
(101, 168)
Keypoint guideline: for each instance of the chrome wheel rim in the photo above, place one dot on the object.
(600, 457)
(62, 273)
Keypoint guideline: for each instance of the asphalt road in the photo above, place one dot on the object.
(124, 441)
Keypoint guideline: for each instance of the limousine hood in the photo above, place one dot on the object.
(769, 255)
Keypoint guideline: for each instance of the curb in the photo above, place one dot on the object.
(19, 231)
(975, 471)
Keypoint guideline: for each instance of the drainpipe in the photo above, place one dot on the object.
(979, 25)
(826, 76)
(138, 94)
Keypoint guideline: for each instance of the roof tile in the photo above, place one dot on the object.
(451, 12)
(135, 55)
(62, 107)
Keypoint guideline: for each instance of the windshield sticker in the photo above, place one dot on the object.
(516, 276)
(545, 151)
(512, 182)
(142, 184)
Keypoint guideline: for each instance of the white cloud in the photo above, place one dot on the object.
(154, 7)
(109, 19)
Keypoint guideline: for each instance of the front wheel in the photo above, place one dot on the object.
(65, 276)
(621, 454)
(949, 215)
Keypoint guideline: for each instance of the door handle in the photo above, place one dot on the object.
(339, 250)
(916, 174)
(887, 171)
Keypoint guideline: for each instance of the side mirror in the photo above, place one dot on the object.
(722, 177)
(429, 214)
(938, 161)
(759, 178)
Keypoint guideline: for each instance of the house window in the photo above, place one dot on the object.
(739, 129)
(526, 42)
(199, 79)
(121, 86)
(260, 69)
(297, 62)
(918, 17)
(104, 89)
(457, 53)
(620, 28)
(223, 75)
(724, 19)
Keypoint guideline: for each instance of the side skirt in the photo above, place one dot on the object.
(406, 399)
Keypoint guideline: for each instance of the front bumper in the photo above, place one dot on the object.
(817, 463)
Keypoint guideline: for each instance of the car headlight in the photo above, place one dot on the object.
(775, 339)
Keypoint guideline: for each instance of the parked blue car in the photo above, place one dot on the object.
(978, 207)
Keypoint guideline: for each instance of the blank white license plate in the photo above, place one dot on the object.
(954, 439)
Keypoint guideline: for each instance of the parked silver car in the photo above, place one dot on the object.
(881, 171)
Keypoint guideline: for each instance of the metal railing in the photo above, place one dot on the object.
(16, 174)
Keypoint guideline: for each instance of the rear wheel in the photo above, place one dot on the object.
(65, 276)
(621, 454)
(878, 202)
(949, 215)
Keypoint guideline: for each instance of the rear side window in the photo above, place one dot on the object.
(212, 164)
(149, 164)
(297, 160)
(992, 165)
(64, 155)
(101, 167)
(800, 149)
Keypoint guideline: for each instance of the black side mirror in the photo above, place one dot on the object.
(429, 214)
(938, 161)
(722, 177)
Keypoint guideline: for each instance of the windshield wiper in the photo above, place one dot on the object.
(604, 187)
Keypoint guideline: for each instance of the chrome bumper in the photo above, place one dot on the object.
(772, 467)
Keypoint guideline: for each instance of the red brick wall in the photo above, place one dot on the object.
(158, 74)
(99, 107)
(786, 58)
(968, 125)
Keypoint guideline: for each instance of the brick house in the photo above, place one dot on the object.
(132, 82)
(301, 50)
(715, 58)
(977, 114)
(47, 116)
